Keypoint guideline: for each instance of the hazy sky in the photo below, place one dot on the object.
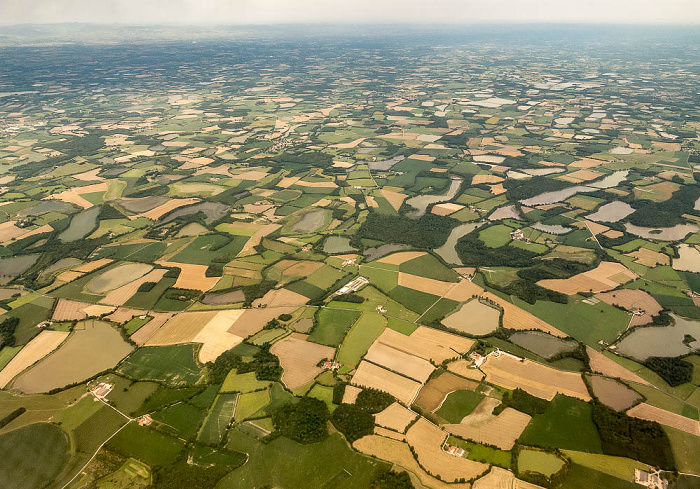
(348, 11)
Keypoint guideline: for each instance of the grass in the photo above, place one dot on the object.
(483, 453)
(441, 309)
(205, 456)
(8, 353)
(279, 396)
(182, 420)
(685, 449)
(97, 429)
(285, 463)
(324, 277)
(403, 327)
(164, 396)
(174, 364)
(414, 300)
(324, 394)
(360, 338)
(146, 445)
(133, 325)
(582, 321)
(429, 266)
(247, 382)
(141, 252)
(539, 461)
(620, 467)
(218, 419)
(204, 249)
(496, 236)
(332, 324)
(127, 396)
(69, 419)
(459, 404)
(385, 280)
(251, 403)
(580, 477)
(565, 424)
(33, 456)
(147, 300)
(373, 298)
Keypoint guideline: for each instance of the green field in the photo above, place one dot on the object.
(174, 364)
(538, 461)
(285, 463)
(580, 477)
(565, 424)
(181, 420)
(429, 266)
(459, 404)
(205, 249)
(483, 453)
(332, 324)
(146, 444)
(128, 396)
(496, 236)
(360, 338)
(251, 403)
(206, 456)
(685, 450)
(414, 300)
(374, 298)
(620, 467)
(243, 382)
(218, 419)
(32, 456)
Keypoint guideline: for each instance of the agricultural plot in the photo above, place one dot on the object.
(92, 347)
(219, 419)
(174, 364)
(537, 379)
(459, 404)
(666, 418)
(146, 444)
(613, 394)
(395, 417)
(606, 276)
(540, 462)
(332, 325)
(427, 343)
(43, 344)
(436, 390)
(299, 359)
(376, 377)
(474, 318)
(250, 403)
(360, 337)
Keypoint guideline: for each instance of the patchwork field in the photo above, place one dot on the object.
(370, 375)
(482, 426)
(606, 276)
(434, 392)
(299, 358)
(537, 379)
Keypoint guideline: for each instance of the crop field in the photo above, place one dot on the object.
(427, 343)
(459, 404)
(219, 418)
(370, 375)
(174, 365)
(398, 361)
(146, 444)
(666, 418)
(20, 449)
(633, 300)
(434, 392)
(90, 349)
(250, 403)
(182, 420)
(538, 461)
(483, 427)
(395, 417)
(332, 324)
(565, 424)
(613, 394)
(542, 344)
(360, 337)
(299, 358)
(620, 467)
(606, 276)
(43, 344)
(474, 318)
(426, 440)
(116, 277)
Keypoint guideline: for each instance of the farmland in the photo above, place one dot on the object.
(246, 257)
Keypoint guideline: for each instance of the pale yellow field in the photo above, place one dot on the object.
(395, 417)
(605, 276)
(650, 258)
(423, 284)
(399, 361)
(483, 427)
(401, 257)
(191, 276)
(215, 336)
(10, 232)
(92, 265)
(461, 367)
(445, 209)
(124, 314)
(661, 416)
(350, 394)
(427, 343)
(299, 358)
(486, 178)
(500, 478)
(119, 296)
(394, 198)
(40, 346)
(370, 375)
(378, 430)
(249, 247)
(253, 320)
(537, 379)
(602, 364)
(426, 440)
(144, 333)
(182, 328)
(397, 452)
(67, 310)
(281, 297)
(161, 210)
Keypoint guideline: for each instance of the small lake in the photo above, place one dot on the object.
(507, 212)
(612, 212)
(309, 222)
(81, 224)
(383, 250)
(542, 344)
(689, 259)
(661, 341)
(337, 244)
(447, 251)
(421, 202)
(551, 228)
(612, 180)
(675, 233)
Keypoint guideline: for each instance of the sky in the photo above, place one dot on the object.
(193, 12)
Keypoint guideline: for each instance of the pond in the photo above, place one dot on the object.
(421, 202)
(661, 341)
(610, 181)
(675, 233)
(612, 212)
(447, 251)
(542, 344)
(689, 259)
(551, 228)
(383, 250)
(81, 224)
(337, 244)
(310, 222)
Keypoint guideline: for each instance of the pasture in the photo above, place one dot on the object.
(218, 420)
(175, 365)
